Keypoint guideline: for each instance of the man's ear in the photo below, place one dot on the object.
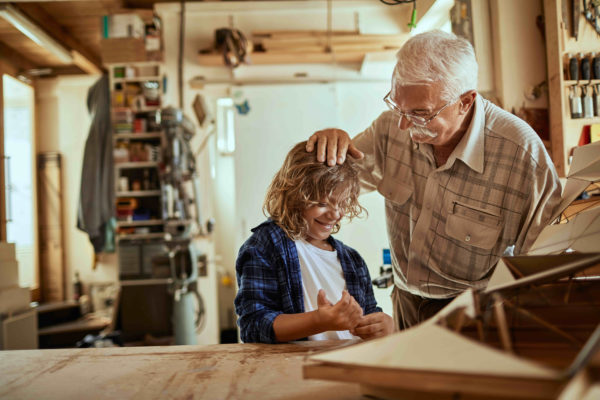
(466, 100)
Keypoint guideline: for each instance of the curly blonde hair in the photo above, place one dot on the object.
(302, 182)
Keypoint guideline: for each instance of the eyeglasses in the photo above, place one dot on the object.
(414, 119)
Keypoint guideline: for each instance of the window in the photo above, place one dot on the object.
(19, 177)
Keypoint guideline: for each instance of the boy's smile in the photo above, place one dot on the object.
(321, 219)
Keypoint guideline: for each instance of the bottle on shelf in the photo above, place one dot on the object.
(77, 287)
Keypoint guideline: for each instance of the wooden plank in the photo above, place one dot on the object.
(296, 34)
(383, 40)
(213, 59)
(431, 381)
(338, 48)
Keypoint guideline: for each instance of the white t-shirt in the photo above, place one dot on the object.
(321, 269)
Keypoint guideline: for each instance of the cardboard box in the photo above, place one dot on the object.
(122, 50)
(124, 26)
(9, 274)
(14, 299)
(19, 332)
(7, 251)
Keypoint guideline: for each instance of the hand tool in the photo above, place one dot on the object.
(573, 68)
(575, 102)
(588, 102)
(585, 67)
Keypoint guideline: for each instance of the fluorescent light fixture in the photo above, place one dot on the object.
(20, 21)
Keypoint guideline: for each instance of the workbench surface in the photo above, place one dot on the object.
(225, 371)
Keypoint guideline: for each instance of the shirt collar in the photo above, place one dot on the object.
(470, 149)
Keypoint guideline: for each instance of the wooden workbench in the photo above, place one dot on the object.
(227, 371)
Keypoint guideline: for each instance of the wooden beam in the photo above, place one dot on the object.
(54, 29)
(85, 64)
(15, 60)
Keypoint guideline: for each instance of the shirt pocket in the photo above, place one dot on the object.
(395, 191)
(473, 226)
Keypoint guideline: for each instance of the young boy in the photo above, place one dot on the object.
(291, 270)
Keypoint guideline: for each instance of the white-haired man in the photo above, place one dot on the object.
(464, 181)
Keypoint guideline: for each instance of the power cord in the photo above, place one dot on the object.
(413, 19)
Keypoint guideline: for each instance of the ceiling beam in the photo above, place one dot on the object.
(59, 33)
(13, 58)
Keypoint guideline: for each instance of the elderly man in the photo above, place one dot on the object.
(464, 181)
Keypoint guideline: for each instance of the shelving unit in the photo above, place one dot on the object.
(564, 130)
(136, 94)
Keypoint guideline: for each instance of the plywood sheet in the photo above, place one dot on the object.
(429, 347)
(581, 233)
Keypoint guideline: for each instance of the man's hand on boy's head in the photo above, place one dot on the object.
(374, 325)
(334, 143)
(340, 316)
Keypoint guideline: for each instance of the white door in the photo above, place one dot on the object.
(19, 177)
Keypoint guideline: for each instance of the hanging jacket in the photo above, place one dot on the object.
(97, 193)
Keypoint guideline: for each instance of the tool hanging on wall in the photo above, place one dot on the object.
(595, 65)
(575, 102)
(573, 67)
(597, 100)
(575, 18)
(591, 12)
(233, 44)
(588, 102)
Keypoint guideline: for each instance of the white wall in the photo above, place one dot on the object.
(519, 52)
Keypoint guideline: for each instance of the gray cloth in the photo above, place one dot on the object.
(97, 193)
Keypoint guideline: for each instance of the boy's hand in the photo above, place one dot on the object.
(373, 326)
(340, 316)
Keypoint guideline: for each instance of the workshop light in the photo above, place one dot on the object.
(30, 29)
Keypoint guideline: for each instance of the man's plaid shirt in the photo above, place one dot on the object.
(270, 281)
(448, 226)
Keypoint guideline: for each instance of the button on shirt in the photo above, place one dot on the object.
(449, 225)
